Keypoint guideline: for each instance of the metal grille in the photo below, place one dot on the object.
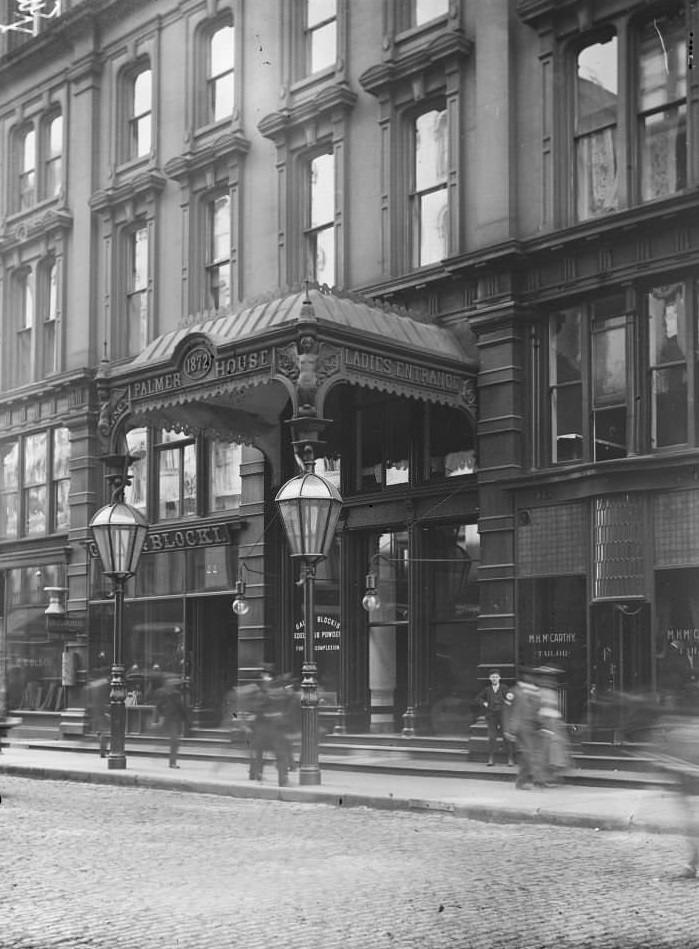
(552, 541)
(676, 528)
(618, 546)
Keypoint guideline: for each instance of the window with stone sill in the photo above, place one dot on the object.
(597, 351)
(416, 13)
(648, 80)
(428, 193)
(320, 35)
(136, 327)
(38, 155)
(220, 73)
(218, 251)
(319, 233)
(139, 110)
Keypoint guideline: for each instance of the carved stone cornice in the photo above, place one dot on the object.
(141, 185)
(33, 224)
(227, 146)
(377, 79)
(329, 101)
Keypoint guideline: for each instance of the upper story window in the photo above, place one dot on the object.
(225, 483)
(662, 106)
(320, 220)
(176, 475)
(53, 156)
(629, 68)
(27, 168)
(218, 251)
(220, 73)
(140, 113)
(38, 156)
(35, 484)
(137, 292)
(32, 350)
(415, 13)
(621, 382)
(596, 103)
(320, 34)
(429, 206)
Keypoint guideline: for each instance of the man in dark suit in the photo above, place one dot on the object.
(493, 700)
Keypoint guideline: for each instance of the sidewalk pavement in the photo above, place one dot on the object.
(652, 810)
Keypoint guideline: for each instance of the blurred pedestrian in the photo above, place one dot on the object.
(269, 709)
(98, 711)
(522, 726)
(172, 711)
(493, 701)
(676, 675)
(555, 746)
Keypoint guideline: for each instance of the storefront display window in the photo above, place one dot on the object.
(33, 657)
(451, 562)
(553, 632)
(677, 611)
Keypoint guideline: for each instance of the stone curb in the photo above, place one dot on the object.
(314, 795)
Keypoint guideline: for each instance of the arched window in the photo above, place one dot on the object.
(220, 74)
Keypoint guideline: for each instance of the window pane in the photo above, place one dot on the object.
(220, 229)
(28, 300)
(667, 324)
(430, 150)
(137, 328)
(662, 62)
(35, 459)
(322, 190)
(142, 93)
(429, 9)
(190, 480)
(29, 151)
(223, 96)
(35, 512)
(610, 433)
(609, 363)
(319, 10)
(61, 453)
(62, 505)
(222, 51)
(136, 493)
(50, 363)
(669, 407)
(9, 466)
(220, 288)
(596, 173)
(139, 259)
(323, 47)
(566, 352)
(433, 227)
(51, 273)
(596, 87)
(8, 515)
(224, 477)
(55, 136)
(566, 423)
(324, 269)
(143, 136)
(169, 483)
(663, 153)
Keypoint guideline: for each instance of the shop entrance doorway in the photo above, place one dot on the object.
(621, 656)
(214, 656)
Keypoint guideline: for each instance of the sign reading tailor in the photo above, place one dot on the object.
(550, 646)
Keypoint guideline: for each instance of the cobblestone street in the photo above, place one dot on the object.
(94, 866)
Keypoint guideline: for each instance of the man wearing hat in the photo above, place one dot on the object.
(493, 700)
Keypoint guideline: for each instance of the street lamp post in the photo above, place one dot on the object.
(120, 532)
(309, 506)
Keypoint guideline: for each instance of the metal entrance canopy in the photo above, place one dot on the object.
(230, 375)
